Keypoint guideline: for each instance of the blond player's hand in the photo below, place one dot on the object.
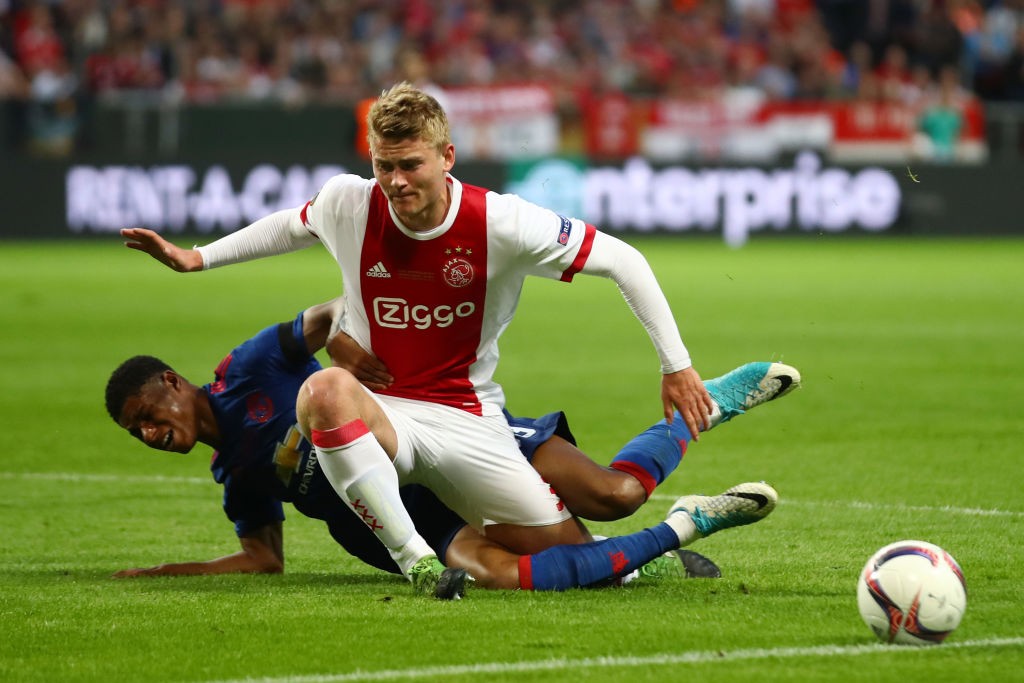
(684, 391)
(367, 368)
(171, 255)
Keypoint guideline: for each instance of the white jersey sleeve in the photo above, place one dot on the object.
(333, 209)
(278, 233)
(544, 243)
(612, 258)
(551, 245)
(337, 215)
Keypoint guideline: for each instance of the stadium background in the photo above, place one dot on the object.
(907, 426)
(197, 117)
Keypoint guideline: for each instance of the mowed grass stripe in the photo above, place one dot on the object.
(908, 350)
(77, 477)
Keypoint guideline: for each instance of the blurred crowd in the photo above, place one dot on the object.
(61, 52)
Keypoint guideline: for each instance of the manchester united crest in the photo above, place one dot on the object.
(259, 407)
(458, 272)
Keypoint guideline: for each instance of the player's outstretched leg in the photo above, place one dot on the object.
(696, 516)
(430, 577)
(655, 453)
(748, 386)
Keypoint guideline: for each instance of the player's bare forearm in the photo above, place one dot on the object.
(238, 563)
(171, 255)
(684, 391)
(262, 553)
(317, 322)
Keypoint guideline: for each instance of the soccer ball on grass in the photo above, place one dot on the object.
(912, 593)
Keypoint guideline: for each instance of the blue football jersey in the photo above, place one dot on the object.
(253, 400)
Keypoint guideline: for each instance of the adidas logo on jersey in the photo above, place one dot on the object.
(378, 270)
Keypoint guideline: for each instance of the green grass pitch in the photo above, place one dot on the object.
(908, 426)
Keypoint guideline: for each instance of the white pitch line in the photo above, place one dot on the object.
(883, 507)
(697, 657)
(76, 477)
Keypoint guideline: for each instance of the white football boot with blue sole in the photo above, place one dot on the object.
(740, 505)
(748, 386)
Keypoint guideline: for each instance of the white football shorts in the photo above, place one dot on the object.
(471, 463)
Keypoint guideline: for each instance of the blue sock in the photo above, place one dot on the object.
(655, 453)
(575, 566)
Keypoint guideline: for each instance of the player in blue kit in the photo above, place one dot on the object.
(248, 414)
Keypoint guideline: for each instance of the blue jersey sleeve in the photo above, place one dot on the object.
(248, 506)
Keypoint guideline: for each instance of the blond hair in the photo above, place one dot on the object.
(404, 112)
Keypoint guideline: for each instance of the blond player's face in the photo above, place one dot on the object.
(411, 173)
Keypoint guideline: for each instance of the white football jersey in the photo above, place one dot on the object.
(431, 305)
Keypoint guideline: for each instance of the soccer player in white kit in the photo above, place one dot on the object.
(432, 271)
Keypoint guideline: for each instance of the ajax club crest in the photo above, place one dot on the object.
(458, 272)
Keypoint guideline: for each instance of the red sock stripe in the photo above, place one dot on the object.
(525, 573)
(339, 436)
(634, 470)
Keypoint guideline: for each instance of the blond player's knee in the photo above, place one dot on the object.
(328, 395)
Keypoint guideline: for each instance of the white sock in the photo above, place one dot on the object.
(362, 474)
(629, 577)
(684, 527)
(715, 418)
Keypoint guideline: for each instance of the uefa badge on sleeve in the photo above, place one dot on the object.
(566, 230)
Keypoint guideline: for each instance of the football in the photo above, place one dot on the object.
(912, 593)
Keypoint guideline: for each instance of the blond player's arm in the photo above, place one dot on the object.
(681, 386)
(277, 233)
(612, 258)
